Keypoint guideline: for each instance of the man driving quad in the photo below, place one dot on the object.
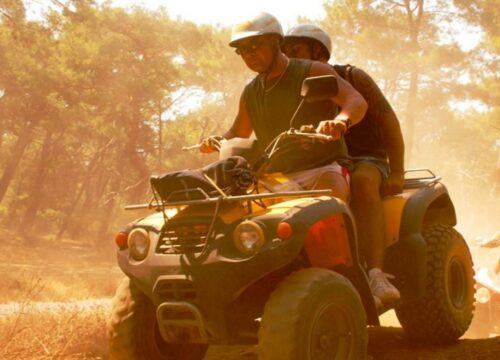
(376, 148)
(269, 101)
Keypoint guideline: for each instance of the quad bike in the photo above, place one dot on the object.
(282, 270)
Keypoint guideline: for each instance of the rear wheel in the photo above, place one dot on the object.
(134, 334)
(313, 314)
(445, 312)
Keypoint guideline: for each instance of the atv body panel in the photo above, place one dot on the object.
(218, 279)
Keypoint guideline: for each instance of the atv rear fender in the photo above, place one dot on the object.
(427, 206)
(406, 259)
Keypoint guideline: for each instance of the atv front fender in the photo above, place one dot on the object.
(239, 274)
(220, 281)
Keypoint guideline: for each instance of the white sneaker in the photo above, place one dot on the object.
(381, 287)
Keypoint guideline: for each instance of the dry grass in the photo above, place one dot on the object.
(54, 330)
(44, 308)
(17, 283)
(66, 272)
(33, 325)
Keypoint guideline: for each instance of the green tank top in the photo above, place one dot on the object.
(270, 113)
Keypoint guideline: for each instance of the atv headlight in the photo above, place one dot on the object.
(138, 243)
(248, 237)
(482, 295)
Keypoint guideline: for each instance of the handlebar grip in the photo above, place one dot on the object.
(191, 147)
(214, 141)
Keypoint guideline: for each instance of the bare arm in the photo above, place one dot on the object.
(383, 113)
(241, 127)
(349, 99)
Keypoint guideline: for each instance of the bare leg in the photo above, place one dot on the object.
(334, 181)
(366, 204)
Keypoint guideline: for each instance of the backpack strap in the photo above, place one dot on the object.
(345, 71)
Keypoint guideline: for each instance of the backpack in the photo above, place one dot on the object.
(233, 176)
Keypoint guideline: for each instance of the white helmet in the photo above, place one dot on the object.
(261, 24)
(310, 31)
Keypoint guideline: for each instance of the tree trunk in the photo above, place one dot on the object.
(414, 22)
(37, 186)
(136, 161)
(411, 110)
(103, 232)
(92, 170)
(160, 135)
(17, 153)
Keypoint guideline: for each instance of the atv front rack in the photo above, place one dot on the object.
(206, 199)
(217, 201)
(427, 179)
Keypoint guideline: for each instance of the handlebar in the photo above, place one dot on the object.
(308, 131)
(216, 142)
(191, 147)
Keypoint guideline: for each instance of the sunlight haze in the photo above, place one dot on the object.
(173, 184)
(226, 12)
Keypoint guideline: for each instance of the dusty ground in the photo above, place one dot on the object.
(54, 305)
(388, 344)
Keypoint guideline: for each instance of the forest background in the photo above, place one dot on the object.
(95, 98)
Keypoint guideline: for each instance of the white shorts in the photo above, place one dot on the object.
(308, 179)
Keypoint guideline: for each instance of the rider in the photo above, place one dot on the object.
(376, 147)
(269, 101)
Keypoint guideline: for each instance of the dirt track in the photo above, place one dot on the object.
(385, 343)
(388, 344)
(43, 329)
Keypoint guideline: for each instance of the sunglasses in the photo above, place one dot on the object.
(250, 47)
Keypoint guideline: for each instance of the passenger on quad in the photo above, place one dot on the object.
(221, 262)
(376, 148)
(269, 101)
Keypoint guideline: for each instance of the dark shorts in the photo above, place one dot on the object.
(381, 164)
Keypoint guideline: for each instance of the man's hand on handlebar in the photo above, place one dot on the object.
(335, 128)
(210, 144)
(309, 132)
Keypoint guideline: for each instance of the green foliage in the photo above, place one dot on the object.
(94, 77)
(89, 87)
(411, 48)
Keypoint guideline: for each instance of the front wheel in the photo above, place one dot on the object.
(445, 312)
(133, 332)
(313, 314)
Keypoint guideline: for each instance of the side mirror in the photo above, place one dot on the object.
(318, 88)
